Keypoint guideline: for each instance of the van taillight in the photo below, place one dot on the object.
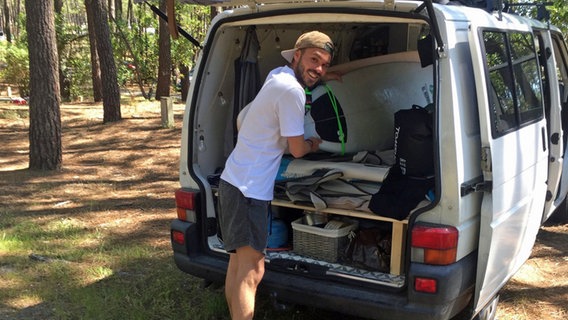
(185, 205)
(178, 237)
(425, 285)
(438, 244)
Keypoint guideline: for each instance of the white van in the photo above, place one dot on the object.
(493, 86)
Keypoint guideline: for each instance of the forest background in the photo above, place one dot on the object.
(141, 47)
(137, 37)
(56, 51)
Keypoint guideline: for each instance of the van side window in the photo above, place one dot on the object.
(560, 52)
(514, 80)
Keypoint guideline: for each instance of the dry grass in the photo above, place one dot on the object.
(105, 215)
(111, 173)
(539, 290)
(100, 228)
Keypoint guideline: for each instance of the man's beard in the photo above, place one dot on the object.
(299, 71)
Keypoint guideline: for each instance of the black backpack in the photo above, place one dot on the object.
(412, 176)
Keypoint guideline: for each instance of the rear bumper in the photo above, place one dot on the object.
(364, 301)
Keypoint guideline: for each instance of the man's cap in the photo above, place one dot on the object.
(312, 39)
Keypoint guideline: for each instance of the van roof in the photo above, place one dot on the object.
(237, 3)
(450, 12)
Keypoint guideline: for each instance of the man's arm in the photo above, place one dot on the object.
(299, 147)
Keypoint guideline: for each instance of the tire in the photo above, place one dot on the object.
(560, 214)
(489, 312)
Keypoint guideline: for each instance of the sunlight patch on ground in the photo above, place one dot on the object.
(23, 301)
(12, 167)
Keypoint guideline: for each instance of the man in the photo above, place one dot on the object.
(274, 123)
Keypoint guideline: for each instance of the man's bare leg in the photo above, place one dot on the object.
(244, 273)
(230, 278)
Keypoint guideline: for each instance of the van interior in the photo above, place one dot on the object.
(322, 200)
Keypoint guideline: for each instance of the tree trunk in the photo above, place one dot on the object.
(110, 9)
(58, 6)
(184, 70)
(164, 58)
(118, 10)
(64, 78)
(7, 22)
(95, 66)
(15, 33)
(45, 116)
(130, 13)
(111, 91)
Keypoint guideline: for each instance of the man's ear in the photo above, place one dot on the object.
(297, 56)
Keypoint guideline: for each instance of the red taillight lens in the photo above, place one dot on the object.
(434, 237)
(185, 204)
(178, 237)
(185, 199)
(425, 285)
(439, 243)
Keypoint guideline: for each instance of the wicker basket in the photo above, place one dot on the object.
(320, 243)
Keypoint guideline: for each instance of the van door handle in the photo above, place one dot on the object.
(543, 131)
(475, 185)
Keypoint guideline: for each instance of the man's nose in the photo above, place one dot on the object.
(320, 69)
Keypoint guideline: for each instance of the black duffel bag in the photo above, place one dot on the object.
(399, 194)
(414, 142)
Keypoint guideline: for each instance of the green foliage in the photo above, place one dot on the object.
(558, 12)
(77, 68)
(559, 15)
(139, 50)
(17, 70)
(194, 20)
(74, 55)
(135, 43)
(3, 50)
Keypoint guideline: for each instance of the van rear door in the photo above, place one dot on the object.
(514, 152)
(559, 75)
(550, 56)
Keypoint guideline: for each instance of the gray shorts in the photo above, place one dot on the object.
(243, 221)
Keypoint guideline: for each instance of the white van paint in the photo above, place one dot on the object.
(498, 167)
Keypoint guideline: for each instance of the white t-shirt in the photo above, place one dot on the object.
(276, 113)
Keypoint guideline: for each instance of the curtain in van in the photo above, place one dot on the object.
(247, 75)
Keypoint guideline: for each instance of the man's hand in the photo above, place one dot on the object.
(299, 147)
(333, 75)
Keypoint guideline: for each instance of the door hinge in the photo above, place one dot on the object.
(486, 160)
(555, 138)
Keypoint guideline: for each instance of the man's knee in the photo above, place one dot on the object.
(250, 254)
(251, 260)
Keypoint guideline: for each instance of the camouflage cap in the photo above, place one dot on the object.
(312, 39)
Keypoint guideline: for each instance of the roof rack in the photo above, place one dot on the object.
(542, 12)
(501, 6)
